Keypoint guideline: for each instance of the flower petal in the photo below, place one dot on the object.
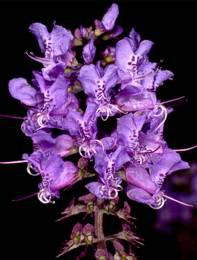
(161, 76)
(63, 144)
(52, 71)
(89, 51)
(58, 92)
(65, 177)
(124, 53)
(87, 77)
(94, 188)
(110, 17)
(43, 140)
(61, 40)
(139, 177)
(130, 101)
(166, 164)
(134, 39)
(21, 90)
(110, 76)
(41, 33)
(144, 48)
(128, 128)
(138, 195)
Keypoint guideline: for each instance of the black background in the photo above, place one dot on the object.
(28, 228)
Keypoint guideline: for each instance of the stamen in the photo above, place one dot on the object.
(29, 167)
(159, 203)
(42, 120)
(88, 149)
(44, 61)
(109, 110)
(178, 201)
(149, 151)
(25, 197)
(44, 196)
(165, 117)
(172, 100)
(12, 117)
(112, 193)
(158, 104)
(14, 162)
(81, 151)
(185, 149)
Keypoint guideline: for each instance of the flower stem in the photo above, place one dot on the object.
(98, 218)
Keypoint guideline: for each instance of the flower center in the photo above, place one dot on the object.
(100, 91)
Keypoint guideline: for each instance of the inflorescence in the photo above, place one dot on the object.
(81, 83)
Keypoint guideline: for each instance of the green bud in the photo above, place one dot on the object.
(97, 32)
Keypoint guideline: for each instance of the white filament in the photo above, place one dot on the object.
(29, 167)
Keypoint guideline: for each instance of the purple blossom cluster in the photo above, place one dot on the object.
(80, 84)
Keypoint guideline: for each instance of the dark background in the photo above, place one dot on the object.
(28, 228)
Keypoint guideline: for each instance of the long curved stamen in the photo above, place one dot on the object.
(109, 110)
(14, 162)
(159, 203)
(82, 150)
(177, 201)
(150, 151)
(161, 112)
(100, 111)
(186, 149)
(161, 103)
(172, 100)
(41, 118)
(112, 193)
(29, 167)
(117, 108)
(25, 197)
(44, 196)
(105, 118)
(32, 56)
(122, 111)
(164, 119)
(12, 117)
(140, 158)
(86, 150)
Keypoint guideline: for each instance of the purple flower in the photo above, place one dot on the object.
(131, 53)
(83, 128)
(56, 173)
(89, 51)
(55, 102)
(52, 44)
(165, 164)
(62, 145)
(145, 187)
(142, 189)
(20, 89)
(107, 165)
(110, 17)
(61, 120)
(55, 93)
(128, 128)
(134, 68)
(108, 22)
(51, 72)
(97, 84)
(130, 100)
